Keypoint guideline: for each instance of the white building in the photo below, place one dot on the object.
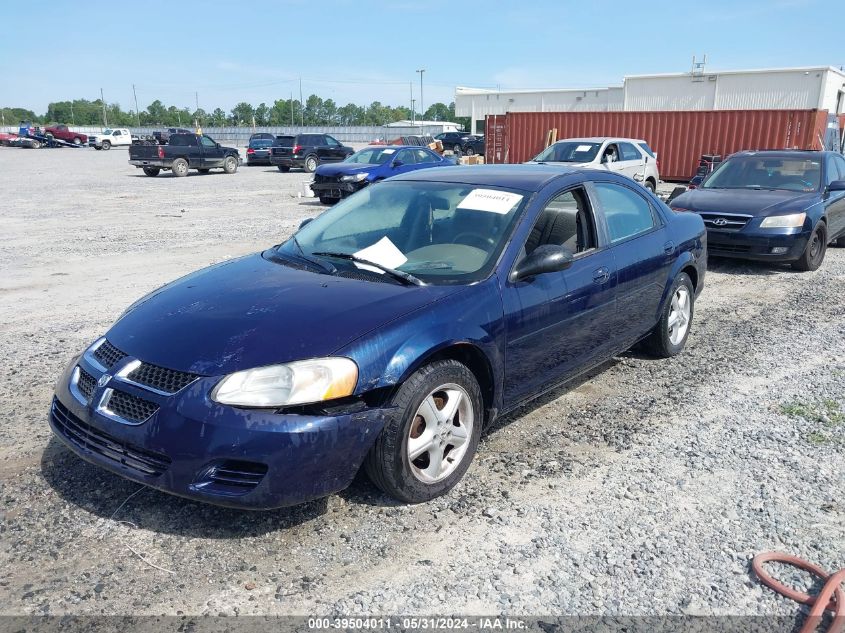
(446, 126)
(816, 88)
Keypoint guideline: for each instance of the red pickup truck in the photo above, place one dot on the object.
(62, 133)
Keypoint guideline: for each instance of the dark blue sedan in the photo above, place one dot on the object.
(372, 164)
(778, 206)
(386, 333)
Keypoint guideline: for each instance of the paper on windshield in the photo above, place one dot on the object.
(490, 200)
(383, 252)
(387, 151)
(583, 148)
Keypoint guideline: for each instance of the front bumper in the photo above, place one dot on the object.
(180, 447)
(772, 246)
(337, 189)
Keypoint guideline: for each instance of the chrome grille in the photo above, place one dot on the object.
(724, 221)
(160, 378)
(108, 355)
(128, 407)
(86, 384)
(90, 439)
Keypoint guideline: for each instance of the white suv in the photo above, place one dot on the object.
(628, 156)
(109, 138)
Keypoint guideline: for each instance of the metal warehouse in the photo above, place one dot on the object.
(810, 88)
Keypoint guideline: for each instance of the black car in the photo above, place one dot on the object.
(461, 142)
(258, 152)
(776, 206)
(307, 151)
(184, 152)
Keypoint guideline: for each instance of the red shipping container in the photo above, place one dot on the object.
(679, 138)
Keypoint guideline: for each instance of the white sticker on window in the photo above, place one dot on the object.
(490, 200)
(583, 148)
(383, 252)
(387, 151)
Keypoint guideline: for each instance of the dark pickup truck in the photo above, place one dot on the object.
(184, 152)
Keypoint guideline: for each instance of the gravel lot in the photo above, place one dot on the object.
(645, 489)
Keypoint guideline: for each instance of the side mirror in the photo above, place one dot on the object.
(218, 145)
(397, 163)
(836, 185)
(304, 222)
(548, 258)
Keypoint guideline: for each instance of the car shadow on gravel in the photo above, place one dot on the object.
(101, 493)
(747, 267)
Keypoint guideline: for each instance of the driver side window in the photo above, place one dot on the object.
(567, 221)
(207, 142)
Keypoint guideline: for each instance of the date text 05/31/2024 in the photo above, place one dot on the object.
(419, 623)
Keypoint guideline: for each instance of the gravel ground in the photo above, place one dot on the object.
(643, 490)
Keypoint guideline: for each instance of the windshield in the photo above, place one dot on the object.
(569, 152)
(372, 156)
(767, 172)
(439, 232)
(108, 130)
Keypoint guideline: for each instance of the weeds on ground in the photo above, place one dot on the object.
(827, 413)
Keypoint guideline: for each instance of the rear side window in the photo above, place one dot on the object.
(284, 141)
(646, 149)
(629, 152)
(627, 213)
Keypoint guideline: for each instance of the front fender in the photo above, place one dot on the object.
(388, 356)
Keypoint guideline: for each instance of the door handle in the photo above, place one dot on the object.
(669, 247)
(601, 275)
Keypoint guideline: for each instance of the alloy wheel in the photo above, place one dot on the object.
(679, 315)
(440, 432)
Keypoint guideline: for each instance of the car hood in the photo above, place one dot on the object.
(758, 202)
(251, 312)
(343, 169)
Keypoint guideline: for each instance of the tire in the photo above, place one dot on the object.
(456, 150)
(311, 164)
(230, 164)
(283, 169)
(389, 463)
(77, 140)
(665, 340)
(813, 254)
(840, 243)
(97, 148)
(106, 145)
(648, 184)
(152, 171)
(203, 171)
(326, 200)
(179, 168)
(470, 151)
(36, 145)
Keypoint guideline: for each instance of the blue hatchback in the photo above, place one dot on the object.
(385, 333)
(372, 164)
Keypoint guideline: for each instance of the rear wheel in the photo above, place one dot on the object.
(429, 441)
(311, 164)
(179, 167)
(670, 335)
(36, 145)
(106, 145)
(77, 140)
(470, 151)
(283, 169)
(814, 252)
(230, 165)
(152, 171)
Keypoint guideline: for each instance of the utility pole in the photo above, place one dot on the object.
(301, 105)
(197, 97)
(72, 119)
(137, 111)
(103, 100)
(291, 109)
(413, 113)
(422, 104)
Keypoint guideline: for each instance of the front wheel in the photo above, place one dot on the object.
(327, 200)
(106, 145)
(179, 168)
(283, 169)
(152, 171)
(97, 148)
(77, 140)
(311, 164)
(230, 165)
(814, 252)
(470, 151)
(670, 335)
(428, 443)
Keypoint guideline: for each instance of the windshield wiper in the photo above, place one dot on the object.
(401, 275)
(324, 266)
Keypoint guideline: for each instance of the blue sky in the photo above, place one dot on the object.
(366, 50)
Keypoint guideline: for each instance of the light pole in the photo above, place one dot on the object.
(413, 113)
(422, 103)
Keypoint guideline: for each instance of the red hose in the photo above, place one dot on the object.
(831, 597)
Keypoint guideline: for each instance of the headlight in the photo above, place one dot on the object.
(795, 220)
(300, 382)
(354, 177)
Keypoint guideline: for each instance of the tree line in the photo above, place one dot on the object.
(282, 112)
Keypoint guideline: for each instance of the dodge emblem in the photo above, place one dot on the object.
(103, 381)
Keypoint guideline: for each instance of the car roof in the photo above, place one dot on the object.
(525, 177)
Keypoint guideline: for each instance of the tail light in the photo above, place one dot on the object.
(297, 149)
(691, 187)
(250, 151)
(161, 151)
